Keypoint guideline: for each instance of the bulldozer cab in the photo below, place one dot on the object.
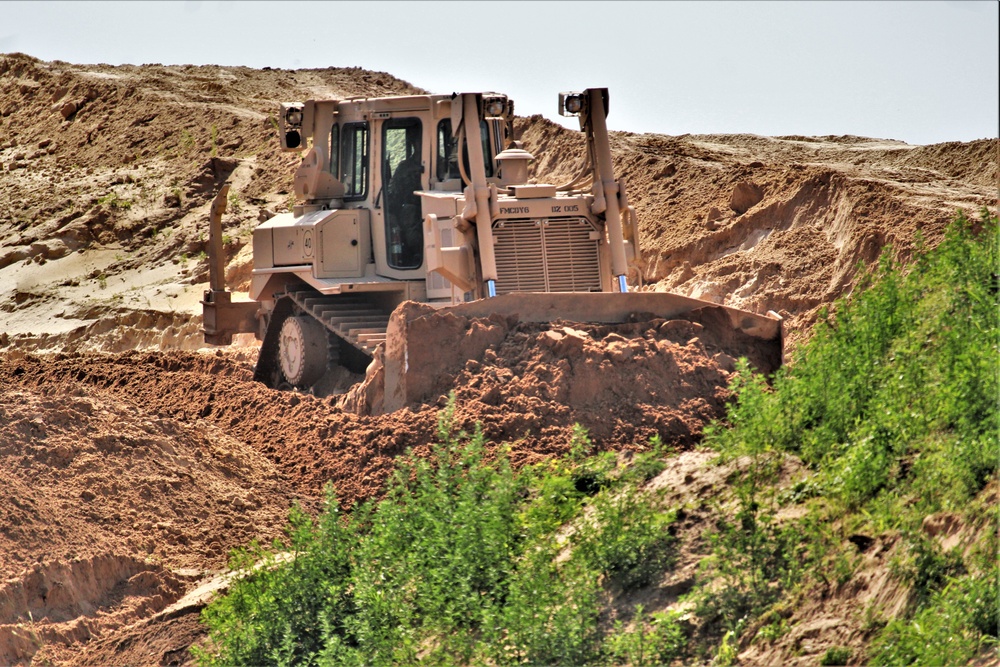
(379, 154)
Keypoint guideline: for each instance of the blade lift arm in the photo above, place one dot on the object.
(221, 316)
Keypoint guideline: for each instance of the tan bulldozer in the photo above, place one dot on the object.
(425, 198)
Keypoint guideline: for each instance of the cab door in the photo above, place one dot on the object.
(402, 170)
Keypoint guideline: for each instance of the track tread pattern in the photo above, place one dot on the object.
(359, 323)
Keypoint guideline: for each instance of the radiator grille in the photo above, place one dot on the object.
(555, 255)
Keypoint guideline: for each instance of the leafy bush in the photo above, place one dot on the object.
(457, 564)
(113, 200)
(274, 611)
(900, 382)
(626, 538)
(892, 403)
(957, 624)
(836, 655)
(551, 616)
(663, 642)
(754, 561)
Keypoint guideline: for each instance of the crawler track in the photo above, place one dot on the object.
(355, 328)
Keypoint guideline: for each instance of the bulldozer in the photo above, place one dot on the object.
(427, 199)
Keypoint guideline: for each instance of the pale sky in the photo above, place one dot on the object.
(918, 71)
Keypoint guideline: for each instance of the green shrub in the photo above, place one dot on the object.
(626, 538)
(456, 564)
(906, 366)
(836, 655)
(959, 621)
(657, 640)
(112, 200)
(274, 611)
(551, 615)
(926, 567)
(754, 558)
(892, 403)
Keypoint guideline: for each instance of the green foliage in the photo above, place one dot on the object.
(925, 566)
(893, 405)
(660, 644)
(836, 655)
(899, 387)
(776, 628)
(112, 200)
(754, 557)
(551, 614)
(647, 464)
(957, 624)
(626, 538)
(728, 650)
(234, 202)
(457, 564)
(755, 560)
(442, 542)
(271, 602)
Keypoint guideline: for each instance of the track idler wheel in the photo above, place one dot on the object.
(302, 350)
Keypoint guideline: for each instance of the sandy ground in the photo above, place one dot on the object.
(133, 457)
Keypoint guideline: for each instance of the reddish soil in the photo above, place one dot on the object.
(134, 458)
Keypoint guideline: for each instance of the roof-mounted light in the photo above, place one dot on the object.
(293, 116)
(570, 104)
(494, 106)
(291, 130)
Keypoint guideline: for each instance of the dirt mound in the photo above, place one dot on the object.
(532, 387)
(109, 513)
(625, 383)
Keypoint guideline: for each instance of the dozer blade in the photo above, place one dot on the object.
(418, 333)
(610, 308)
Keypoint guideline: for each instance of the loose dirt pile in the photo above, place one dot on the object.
(109, 512)
(129, 476)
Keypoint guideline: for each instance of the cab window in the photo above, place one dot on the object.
(447, 152)
(402, 169)
(335, 151)
(354, 161)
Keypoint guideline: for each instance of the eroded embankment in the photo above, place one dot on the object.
(66, 602)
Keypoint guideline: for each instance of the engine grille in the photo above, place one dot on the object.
(554, 255)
